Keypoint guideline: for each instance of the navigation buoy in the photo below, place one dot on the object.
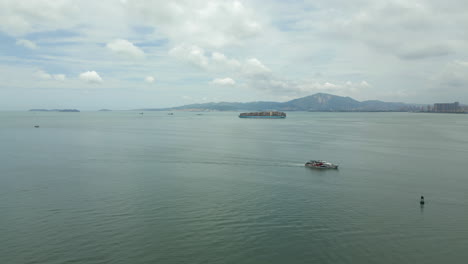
(422, 200)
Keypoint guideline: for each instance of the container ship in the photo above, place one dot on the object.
(263, 115)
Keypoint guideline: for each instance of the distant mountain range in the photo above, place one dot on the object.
(54, 110)
(320, 102)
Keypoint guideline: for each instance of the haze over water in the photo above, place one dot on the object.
(118, 187)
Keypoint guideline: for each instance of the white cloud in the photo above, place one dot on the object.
(223, 81)
(91, 77)
(126, 48)
(26, 43)
(40, 74)
(254, 66)
(150, 79)
(43, 75)
(22, 17)
(217, 61)
(209, 23)
(203, 22)
(220, 60)
(462, 63)
(413, 30)
(59, 77)
(190, 53)
(364, 84)
(285, 87)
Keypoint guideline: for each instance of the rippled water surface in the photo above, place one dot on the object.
(119, 187)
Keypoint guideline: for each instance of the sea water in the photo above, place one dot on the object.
(120, 187)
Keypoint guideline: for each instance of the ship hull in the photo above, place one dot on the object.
(267, 117)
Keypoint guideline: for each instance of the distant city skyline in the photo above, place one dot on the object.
(132, 54)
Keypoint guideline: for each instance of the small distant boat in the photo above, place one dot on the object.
(171, 114)
(141, 113)
(36, 126)
(321, 164)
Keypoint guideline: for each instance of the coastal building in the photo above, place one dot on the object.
(447, 107)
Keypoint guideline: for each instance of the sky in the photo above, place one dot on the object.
(129, 54)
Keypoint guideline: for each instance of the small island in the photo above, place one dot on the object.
(54, 110)
(105, 110)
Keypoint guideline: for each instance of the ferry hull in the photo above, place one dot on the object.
(268, 117)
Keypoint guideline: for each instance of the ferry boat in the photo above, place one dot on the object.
(273, 114)
(320, 164)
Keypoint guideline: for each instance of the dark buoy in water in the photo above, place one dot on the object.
(36, 126)
(422, 200)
